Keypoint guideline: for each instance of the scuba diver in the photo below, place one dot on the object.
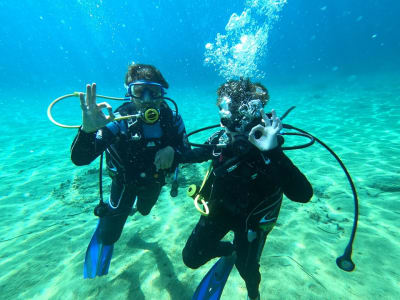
(244, 188)
(140, 140)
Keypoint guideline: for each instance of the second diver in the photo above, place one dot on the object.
(244, 189)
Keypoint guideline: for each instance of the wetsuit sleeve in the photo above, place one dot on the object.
(294, 184)
(87, 146)
(178, 140)
(196, 155)
(199, 155)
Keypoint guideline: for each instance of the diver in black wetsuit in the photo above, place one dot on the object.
(245, 188)
(139, 151)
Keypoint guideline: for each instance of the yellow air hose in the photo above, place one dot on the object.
(206, 210)
(76, 94)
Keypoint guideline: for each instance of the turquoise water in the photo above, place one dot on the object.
(337, 63)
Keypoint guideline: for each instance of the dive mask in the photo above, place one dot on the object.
(145, 90)
(148, 96)
(243, 118)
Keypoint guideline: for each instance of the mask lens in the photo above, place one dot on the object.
(139, 89)
(244, 118)
(251, 109)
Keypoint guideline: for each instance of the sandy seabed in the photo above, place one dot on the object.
(46, 205)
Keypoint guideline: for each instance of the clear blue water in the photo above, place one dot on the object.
(338, 61)
(62, 44)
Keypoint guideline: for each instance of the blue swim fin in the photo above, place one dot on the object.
(98, 257)
(212, 285)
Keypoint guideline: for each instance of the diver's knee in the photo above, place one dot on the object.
(189, 258)
(144, 207)
(144, 212)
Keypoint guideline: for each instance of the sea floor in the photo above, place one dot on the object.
(46, 204)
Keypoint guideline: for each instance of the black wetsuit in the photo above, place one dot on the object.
(244, 195)
(130, 151)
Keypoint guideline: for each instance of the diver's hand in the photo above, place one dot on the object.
(92, 116)
(164, 158)
(267, 135)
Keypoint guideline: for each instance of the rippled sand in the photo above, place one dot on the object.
(46, 203)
